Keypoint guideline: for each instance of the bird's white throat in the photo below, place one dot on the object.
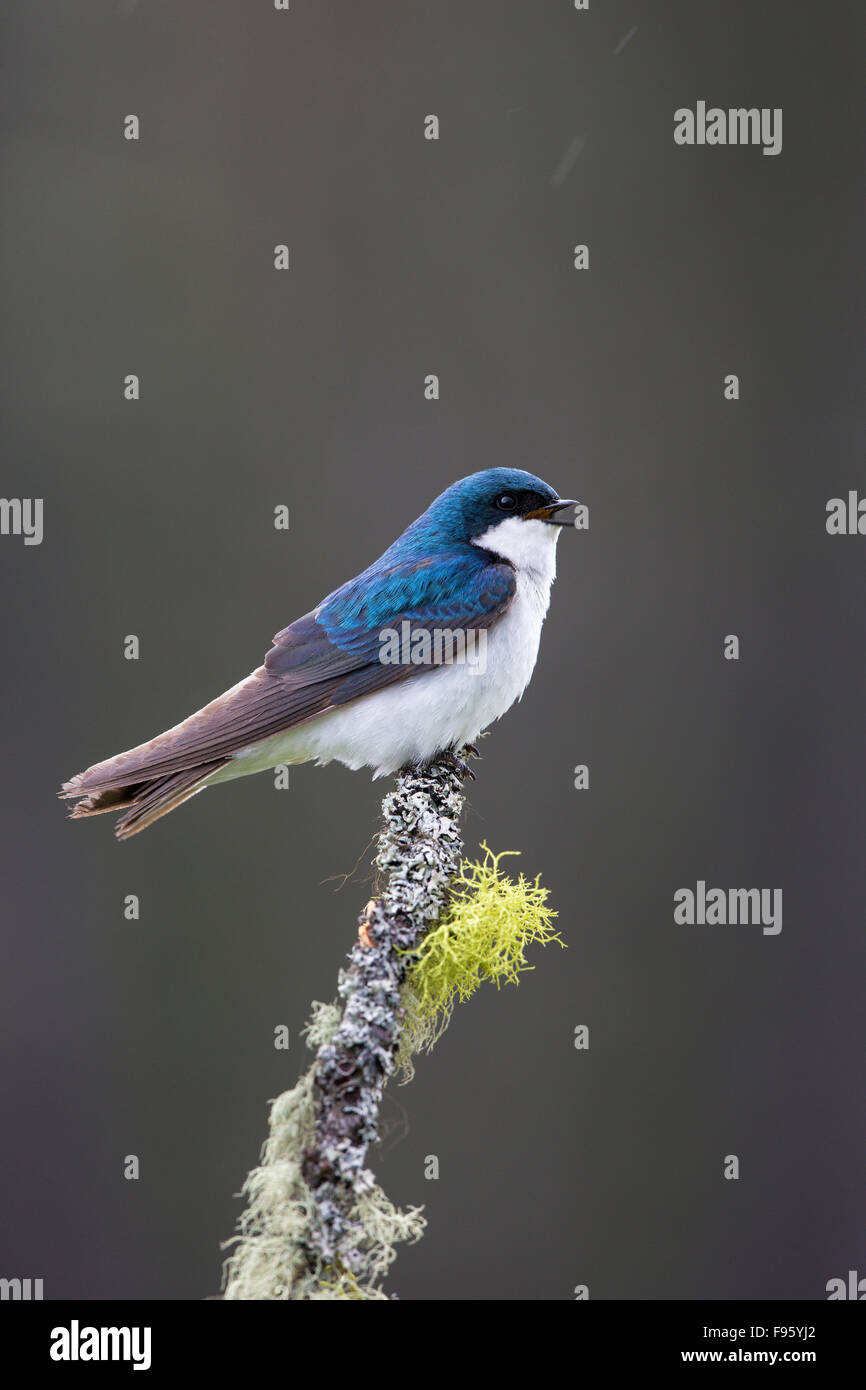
(529, 545)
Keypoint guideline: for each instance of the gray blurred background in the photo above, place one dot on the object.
(557, 1167)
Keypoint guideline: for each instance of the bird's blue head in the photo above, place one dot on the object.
(472, 508)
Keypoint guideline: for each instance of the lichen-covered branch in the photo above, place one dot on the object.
(420, 851)
(316, 1225)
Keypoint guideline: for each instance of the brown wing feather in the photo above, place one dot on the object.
(267, 702)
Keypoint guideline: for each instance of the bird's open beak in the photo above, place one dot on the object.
(548, 514)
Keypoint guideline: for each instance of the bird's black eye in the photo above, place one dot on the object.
(507, 502)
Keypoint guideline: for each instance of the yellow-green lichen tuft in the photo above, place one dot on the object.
(490, 922)
(344, 1288)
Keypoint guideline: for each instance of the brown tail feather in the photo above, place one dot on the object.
(147, 800)
(97, 803)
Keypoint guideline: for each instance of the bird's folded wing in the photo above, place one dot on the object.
(324, 660)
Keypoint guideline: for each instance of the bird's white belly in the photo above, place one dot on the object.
(420, 716)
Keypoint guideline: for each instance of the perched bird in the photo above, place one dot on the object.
(410, 660)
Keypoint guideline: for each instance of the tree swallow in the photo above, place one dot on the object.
(410, 660)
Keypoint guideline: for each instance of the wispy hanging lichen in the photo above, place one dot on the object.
(273, 1256)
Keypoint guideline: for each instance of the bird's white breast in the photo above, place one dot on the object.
(446, 706)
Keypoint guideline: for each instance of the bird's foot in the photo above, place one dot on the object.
(453, 760)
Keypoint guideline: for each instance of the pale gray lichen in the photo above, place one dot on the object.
(317, 1225)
